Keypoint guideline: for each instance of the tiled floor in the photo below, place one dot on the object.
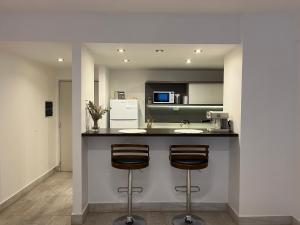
(161, 218)
(47, 204)
(50, 204)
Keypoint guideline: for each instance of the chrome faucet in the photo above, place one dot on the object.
(149, 123)
(184, 122)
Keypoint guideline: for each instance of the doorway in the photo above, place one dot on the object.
(65, 125)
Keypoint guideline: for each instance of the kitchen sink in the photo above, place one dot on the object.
(188, 131)
(132, 131)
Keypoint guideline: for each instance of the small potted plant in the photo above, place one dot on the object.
(96, 113)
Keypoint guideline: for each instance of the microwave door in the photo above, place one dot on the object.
(161, 97)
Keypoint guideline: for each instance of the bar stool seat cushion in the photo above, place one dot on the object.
(189, 162)
(130, 162)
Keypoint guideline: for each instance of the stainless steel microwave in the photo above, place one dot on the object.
(166, 97)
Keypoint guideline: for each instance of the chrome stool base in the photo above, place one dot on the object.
(137, 220)
(182, 220)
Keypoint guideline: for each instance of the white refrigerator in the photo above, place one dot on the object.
(124, 113)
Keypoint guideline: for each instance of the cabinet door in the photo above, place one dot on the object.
(206, 93)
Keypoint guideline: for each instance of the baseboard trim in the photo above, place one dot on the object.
(260, 220)
(295, 221)
(78, 219)
(233, 214)
(155, 206)
(26, 189)
(266, 220)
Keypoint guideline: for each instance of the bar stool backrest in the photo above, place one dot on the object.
(189, 157)
(189, 150)
(129, 150)
(129, 156)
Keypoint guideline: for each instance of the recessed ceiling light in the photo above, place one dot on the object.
(121, 50)
(159, 50)
(188, 61)
(199, 51)
(126, 60)
(60, 59)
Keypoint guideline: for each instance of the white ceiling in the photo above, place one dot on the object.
(140, 55)
(174, 6)
(174, 55)
(45, 53)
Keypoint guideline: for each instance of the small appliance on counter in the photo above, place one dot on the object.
(124, 113)
(185, 100)
(119, 95)
(160, 97)
(149, 101)
(220, 121)
(177, 98)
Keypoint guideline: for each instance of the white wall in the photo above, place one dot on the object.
(109, 28)
(268, 128)
(268, 93)
(233, 64)
(132, 81)
(213, 181)
(296, 202)
(267, 79)
(232, 104)
(87, 94)
(159, 178)
(87, 85)
(64, 74)
(79, 200)
(78, 28)
(28, 140)
(104, 92)
(82, 91)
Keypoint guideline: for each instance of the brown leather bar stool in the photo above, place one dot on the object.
(129, 157)
(188, 157)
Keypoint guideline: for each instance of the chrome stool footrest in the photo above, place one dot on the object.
(187, 220)
(184, 188)
(134, 189)
(130, 220)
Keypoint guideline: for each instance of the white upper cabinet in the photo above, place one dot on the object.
(205, 93)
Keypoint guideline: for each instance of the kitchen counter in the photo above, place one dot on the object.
(157, 132)
(160, 177)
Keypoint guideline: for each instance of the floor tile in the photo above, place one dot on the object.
(50, 203)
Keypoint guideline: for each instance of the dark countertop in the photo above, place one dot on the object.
(156, 132)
